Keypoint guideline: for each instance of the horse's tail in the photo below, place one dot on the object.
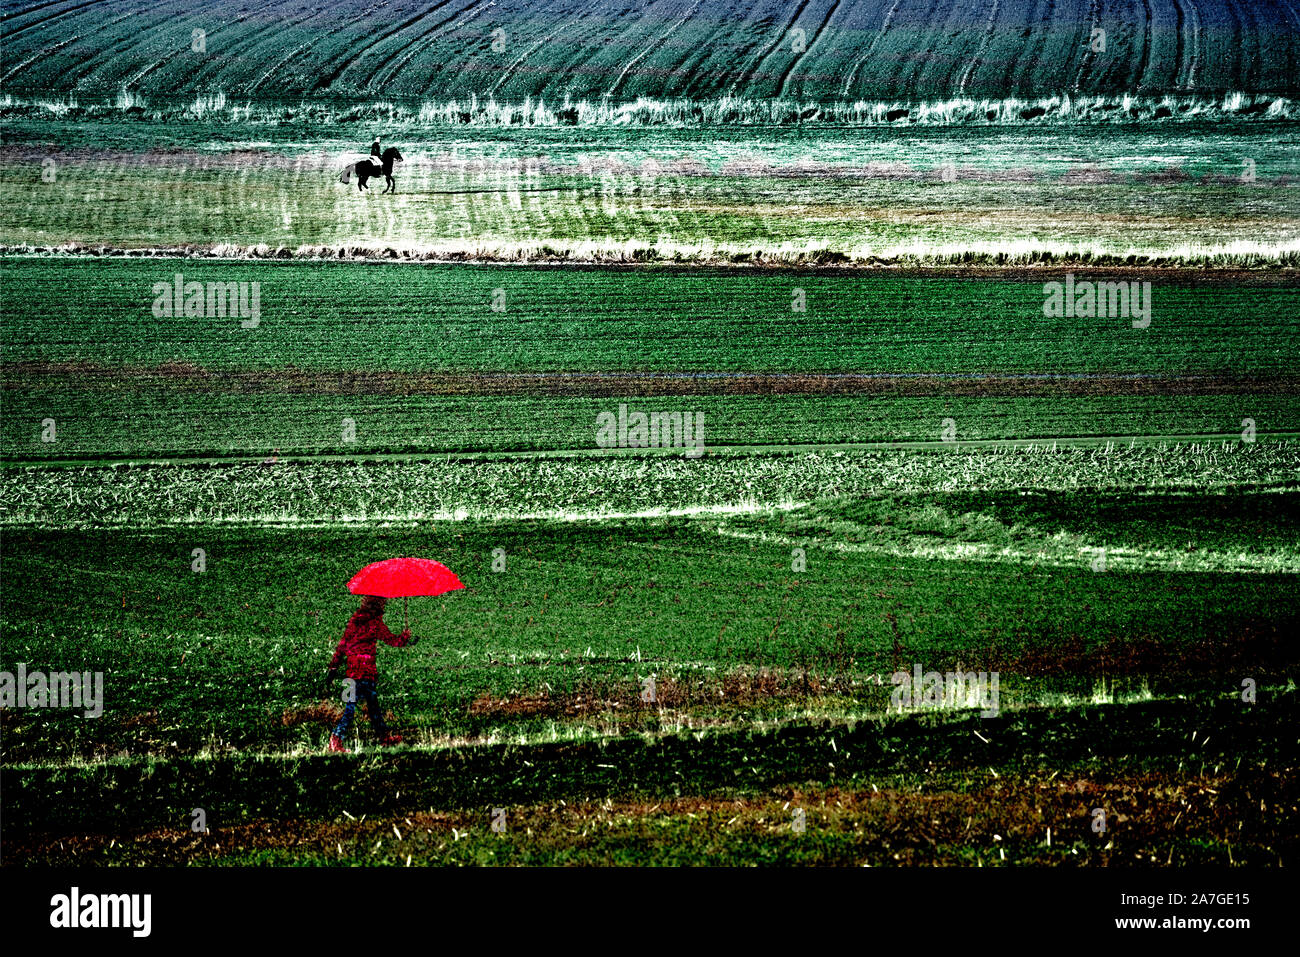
(346, 175)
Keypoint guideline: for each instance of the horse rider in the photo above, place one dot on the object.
(376, 153)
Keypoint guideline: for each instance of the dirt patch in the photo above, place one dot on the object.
(325, 714)
(740, 689)
(292, 380)
(143, 719)
(1158, 818)
(1256, 647)
(321, 713)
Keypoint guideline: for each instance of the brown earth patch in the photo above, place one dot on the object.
(1257, 647)
(1162, 818)
(320, 713)
(739, 689)
(143, 719)
(37, 375)
(326, 714)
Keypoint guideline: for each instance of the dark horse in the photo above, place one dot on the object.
(366, 169)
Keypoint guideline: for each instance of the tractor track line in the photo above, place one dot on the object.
(789, 71)
(293, 54)
(8, 35)
(1094, 21)
(1146, 47)
(579, 39)
(247, 41)
(775, 45)
(980, 51)
(1180, 21)
(861, 61)
(143, 37)
(347, 58)
(654, 46)
(393, 63)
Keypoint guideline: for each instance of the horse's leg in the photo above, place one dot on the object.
(392, 184)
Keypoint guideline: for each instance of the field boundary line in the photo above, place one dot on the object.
(1087, 441)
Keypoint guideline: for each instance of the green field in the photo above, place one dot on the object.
(513, 49)
(528, 690)
(833, 241)
(323, 318)
(419, 362)
(828, 538)
(761, 194)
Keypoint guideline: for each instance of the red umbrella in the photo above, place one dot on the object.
(404, 578)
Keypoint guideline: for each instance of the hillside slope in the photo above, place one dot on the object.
(590, 49)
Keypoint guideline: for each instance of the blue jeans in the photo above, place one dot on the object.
(365, 692)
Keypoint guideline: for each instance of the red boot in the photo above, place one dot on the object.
(389, 740)
(336, 744)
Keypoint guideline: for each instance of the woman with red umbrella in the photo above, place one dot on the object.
(393, 578)
(360, 639)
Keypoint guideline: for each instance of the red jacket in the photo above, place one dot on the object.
(358, 644)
